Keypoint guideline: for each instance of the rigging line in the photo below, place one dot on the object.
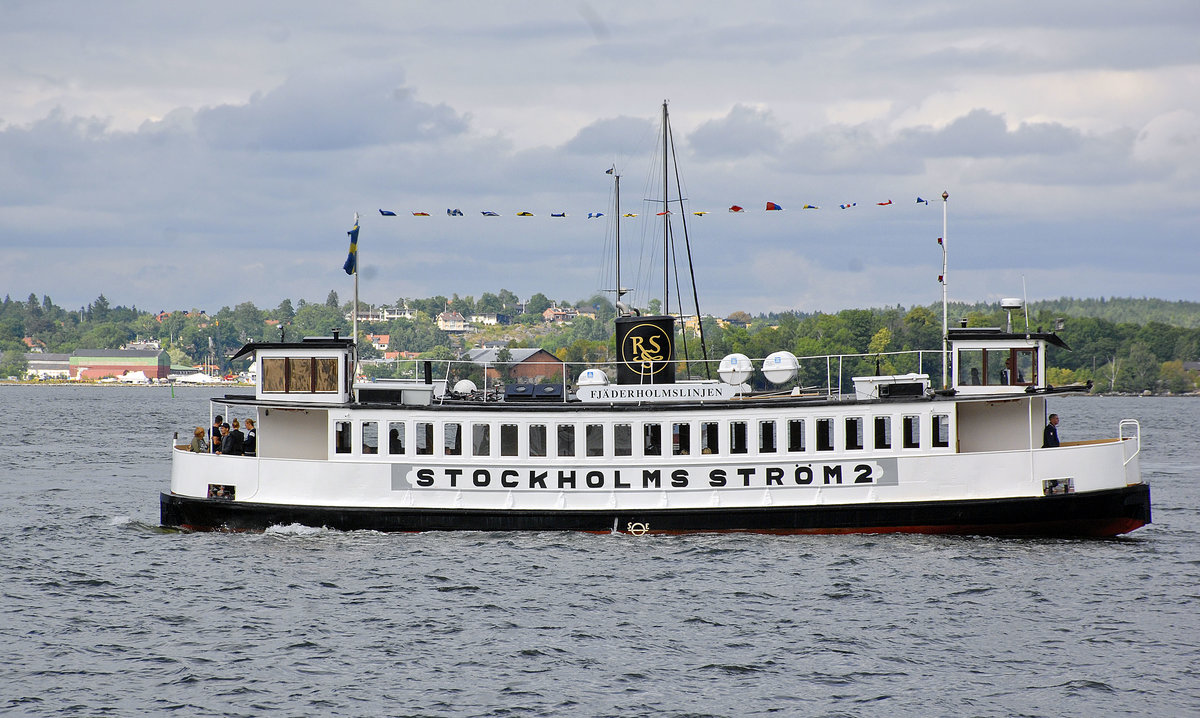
(691, 267)
(678, 296)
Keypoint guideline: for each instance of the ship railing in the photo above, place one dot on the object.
(1135, 434)
(825, 375)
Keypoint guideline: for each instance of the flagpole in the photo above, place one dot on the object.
(945, 305)
(354, 310)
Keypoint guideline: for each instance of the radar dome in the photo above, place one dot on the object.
(464, 386)
(780, 367)
(735, 369)
(592, 377)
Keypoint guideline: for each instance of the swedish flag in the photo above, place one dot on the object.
(351, 265)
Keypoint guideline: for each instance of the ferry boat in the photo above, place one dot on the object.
(647, 453)
(631, 447)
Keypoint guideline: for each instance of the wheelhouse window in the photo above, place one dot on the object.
(566, 439)
(1025, 366)
(681, 439)
(370, 437)
(537, 439)
(941, 430)
(766, 437)
(883, 432)
(424, 431)
(795, 429)
(299, 375)
(912, 432)
(341, 437)
(508, 439)
(593, 436)
(396, 437)
(737, 437)
(651, 440)
(970, 367)
(824, 434)
(452, 439)
(710, 432)
(623, 440)
(481, 440)
(854, 433)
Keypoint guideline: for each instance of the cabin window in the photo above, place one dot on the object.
(593, 436)
(537, 439)
(766, 437)
(623, 440)
(341, 437)
(566, 439)
(652, 440)
(424, 437)
(326, 375)
(795, 434)
(452, 439)
(395, 437)
(737, 437)
(941, 430)
(883, 432)
(912, 432)
(299, 375)
(709, 433)
(274, 375)
(824, 434)
(508, 439)
(854, 433)
(370, 437)
(681, 439)
(481, 440)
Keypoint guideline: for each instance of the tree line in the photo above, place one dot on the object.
(1145, 350)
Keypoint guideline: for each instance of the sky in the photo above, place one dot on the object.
(179, 156)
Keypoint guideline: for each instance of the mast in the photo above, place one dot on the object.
(617, 224)
(666, 220)
(945, 305)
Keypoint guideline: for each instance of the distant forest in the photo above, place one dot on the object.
(1120, 344)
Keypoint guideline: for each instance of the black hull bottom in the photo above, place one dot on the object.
(1100, 513)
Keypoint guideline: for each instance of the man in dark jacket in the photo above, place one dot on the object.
(1050, 435)
(215, 440)
(230, 443)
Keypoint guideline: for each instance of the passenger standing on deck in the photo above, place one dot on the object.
(250, 447)
(199, 445)
(226, 446)
(239, 439)
(215, 439)
(1050, 436)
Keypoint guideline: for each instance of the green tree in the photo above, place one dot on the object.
(537, 304)
(1139, 371)
(106, 335)
(332, 300)
(13, 363)
(508, 300)
(284, 312)
(98, 310)
(489, 304)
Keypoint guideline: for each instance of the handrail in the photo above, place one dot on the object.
(835, 376)
(1136, 435)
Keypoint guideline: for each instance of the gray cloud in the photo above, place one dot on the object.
(199, 161)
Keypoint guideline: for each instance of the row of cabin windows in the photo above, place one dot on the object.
(299, 375)
(771, 437)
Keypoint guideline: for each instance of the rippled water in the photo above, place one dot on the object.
(103, 613)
